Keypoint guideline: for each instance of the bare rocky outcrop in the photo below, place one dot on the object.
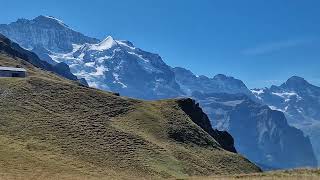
(196, 114)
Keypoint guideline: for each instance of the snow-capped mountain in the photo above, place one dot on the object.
(109, 64)
(300, 101)
(261, 134)
(62, 69)
(120, 66)
(46, 31)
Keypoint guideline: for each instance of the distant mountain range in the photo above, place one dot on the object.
(262, 134)
(300, 102)
(218, 84)
(117, 65)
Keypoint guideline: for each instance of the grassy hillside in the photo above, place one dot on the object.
(54, 128)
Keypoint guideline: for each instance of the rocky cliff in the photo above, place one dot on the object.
(261, 134)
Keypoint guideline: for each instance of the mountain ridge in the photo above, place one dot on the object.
(82, 61)
(261, 134)
(300, 101)
(13, 49)
(60, 37)
(121, 67)
(54, 126)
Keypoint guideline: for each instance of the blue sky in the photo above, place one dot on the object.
(261, 42)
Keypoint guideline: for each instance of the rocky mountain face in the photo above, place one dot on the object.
(220, 83)
(300, 101)
(119, 66)
(109, 64)
(261, 134)
(13, 49)
(194, 111)
(45, 31)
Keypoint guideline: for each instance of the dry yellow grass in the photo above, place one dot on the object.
(52, 128)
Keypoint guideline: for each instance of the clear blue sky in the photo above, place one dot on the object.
(261, 42)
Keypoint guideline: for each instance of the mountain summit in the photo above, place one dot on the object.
(295, 82)
(49, 32)
(49, 21)
(300, 101)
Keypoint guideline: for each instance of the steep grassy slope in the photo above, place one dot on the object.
(52, 127)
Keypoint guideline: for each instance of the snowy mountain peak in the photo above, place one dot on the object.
(107, 40)
(51, 19)
(46, 31)
(295, 83)
(296, 79)
(106, 44)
